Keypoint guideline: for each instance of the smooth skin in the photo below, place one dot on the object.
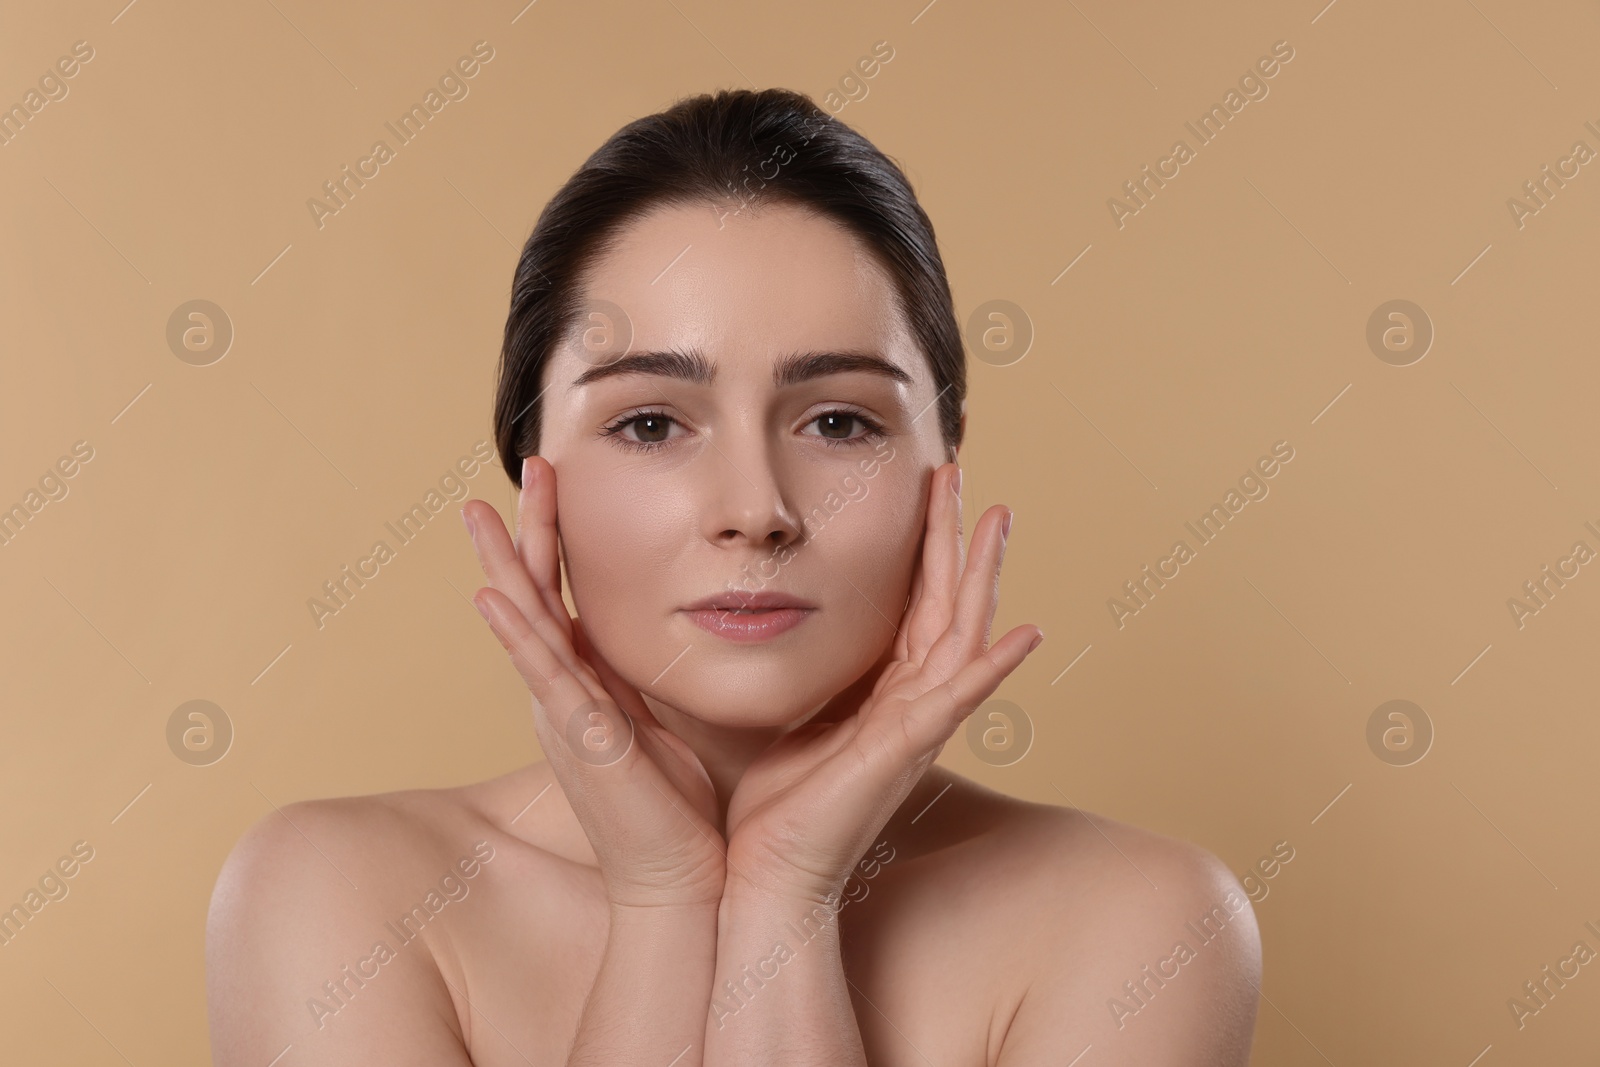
(712, 865)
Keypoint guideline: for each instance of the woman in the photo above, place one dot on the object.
(732, 395)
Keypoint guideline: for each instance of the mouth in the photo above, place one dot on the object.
(748, 627)
(749, 618)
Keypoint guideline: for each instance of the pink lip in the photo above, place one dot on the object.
(748, 627)
(756, 601)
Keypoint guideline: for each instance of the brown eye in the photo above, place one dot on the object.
(836, 424)
(835, 427)
(654, 430)
(650, 426)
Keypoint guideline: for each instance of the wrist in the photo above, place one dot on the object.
(776, 900)
(640, 905)
(672, 922)
(675, 891)
(751, 880)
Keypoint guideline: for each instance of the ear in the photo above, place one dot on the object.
(955, 452)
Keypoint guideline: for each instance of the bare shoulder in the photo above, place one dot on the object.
(1143, 945)
(302, 950)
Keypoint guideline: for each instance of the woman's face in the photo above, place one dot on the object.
(772, 429)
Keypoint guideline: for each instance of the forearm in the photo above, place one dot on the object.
(648, 1001)
(780, 995)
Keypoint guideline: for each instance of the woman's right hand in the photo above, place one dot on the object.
(641, 795)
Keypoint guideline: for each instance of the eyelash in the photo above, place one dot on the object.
(874, 429)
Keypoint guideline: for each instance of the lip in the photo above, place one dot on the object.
(748, 627)
(729, 600)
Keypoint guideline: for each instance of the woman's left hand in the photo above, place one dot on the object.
(809, 806)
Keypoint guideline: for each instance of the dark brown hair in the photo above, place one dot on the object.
(774, 145)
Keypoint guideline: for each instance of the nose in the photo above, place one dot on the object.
(746, 500)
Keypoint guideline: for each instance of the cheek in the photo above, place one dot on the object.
(617, 536)
(876, 542)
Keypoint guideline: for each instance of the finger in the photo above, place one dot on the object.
(504, 569)
(498, 556)
(934, 716)
(977, 597)
(901, 638)
(558, 694)
(550, 681)
(537, 533)
(941, 564)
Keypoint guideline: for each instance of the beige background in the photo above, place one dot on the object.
(1227, 315)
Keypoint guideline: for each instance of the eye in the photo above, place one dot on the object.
(652, 430)
(836, 426)
(653, 433)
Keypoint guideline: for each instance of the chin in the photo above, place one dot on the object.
(767, 685)
(749, 695)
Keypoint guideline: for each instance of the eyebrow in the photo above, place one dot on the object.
(691, 366)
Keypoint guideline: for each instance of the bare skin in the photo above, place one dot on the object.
(996, 934)
(758, 861)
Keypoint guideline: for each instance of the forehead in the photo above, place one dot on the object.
(747, 289)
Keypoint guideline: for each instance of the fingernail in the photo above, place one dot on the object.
(955, 483)
(468, 520)
(485, 612)
(1005, 524)
(1036, 641)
